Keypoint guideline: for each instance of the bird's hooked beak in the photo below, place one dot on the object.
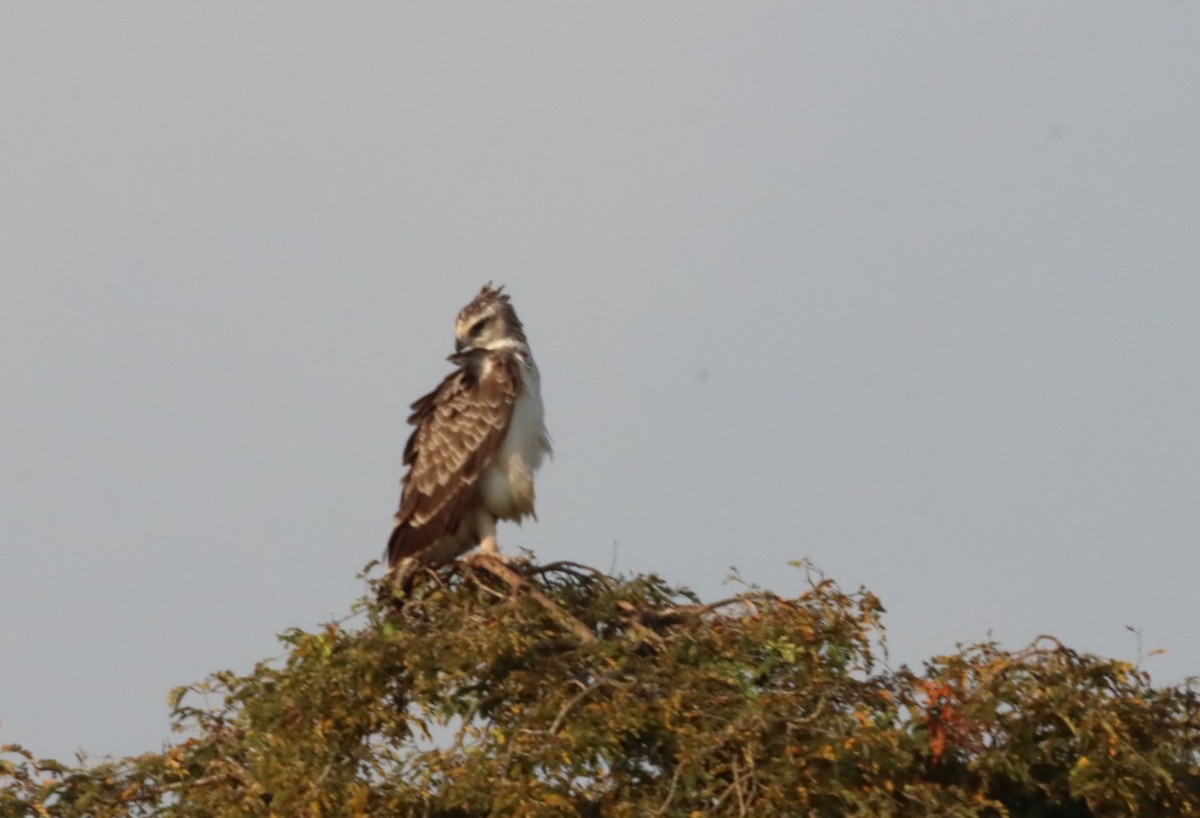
(459, 346)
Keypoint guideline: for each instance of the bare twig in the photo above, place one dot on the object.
(670, 792)
(678, 613)
(737, 779)
(575, 569)
(570, 705)
(497, 594)
(466, 726)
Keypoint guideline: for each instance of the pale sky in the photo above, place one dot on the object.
(909, 290)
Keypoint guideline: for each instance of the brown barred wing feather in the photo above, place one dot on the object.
(459, 427)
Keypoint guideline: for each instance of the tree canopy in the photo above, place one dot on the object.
(556, 690)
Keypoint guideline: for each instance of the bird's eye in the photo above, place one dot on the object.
(476, 328)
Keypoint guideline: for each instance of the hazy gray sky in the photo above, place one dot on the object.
(907, 289)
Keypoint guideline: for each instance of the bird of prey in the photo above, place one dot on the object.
(478, 439)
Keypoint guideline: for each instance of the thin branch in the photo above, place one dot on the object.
(466, 726)
(570, 705)
(575, 569)
(489, 590)
(662, 810)
(737, 779)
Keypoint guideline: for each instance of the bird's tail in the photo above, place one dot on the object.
(401, 570)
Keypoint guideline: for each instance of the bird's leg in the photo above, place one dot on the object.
(488, 545)
(487, 539)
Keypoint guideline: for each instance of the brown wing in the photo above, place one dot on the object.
(459, 426)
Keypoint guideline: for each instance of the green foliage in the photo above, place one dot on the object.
(564, 692)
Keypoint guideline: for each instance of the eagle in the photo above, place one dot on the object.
(477, 440)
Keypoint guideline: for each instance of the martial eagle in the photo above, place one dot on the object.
(478, 439)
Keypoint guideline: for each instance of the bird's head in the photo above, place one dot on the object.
(488, 322)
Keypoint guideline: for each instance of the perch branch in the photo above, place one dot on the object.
(516, 582)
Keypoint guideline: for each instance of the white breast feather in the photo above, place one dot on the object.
(506, 485)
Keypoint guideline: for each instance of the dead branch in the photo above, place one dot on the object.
(574, 700)
(636, 618)
(574, 569)
(662, 810)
